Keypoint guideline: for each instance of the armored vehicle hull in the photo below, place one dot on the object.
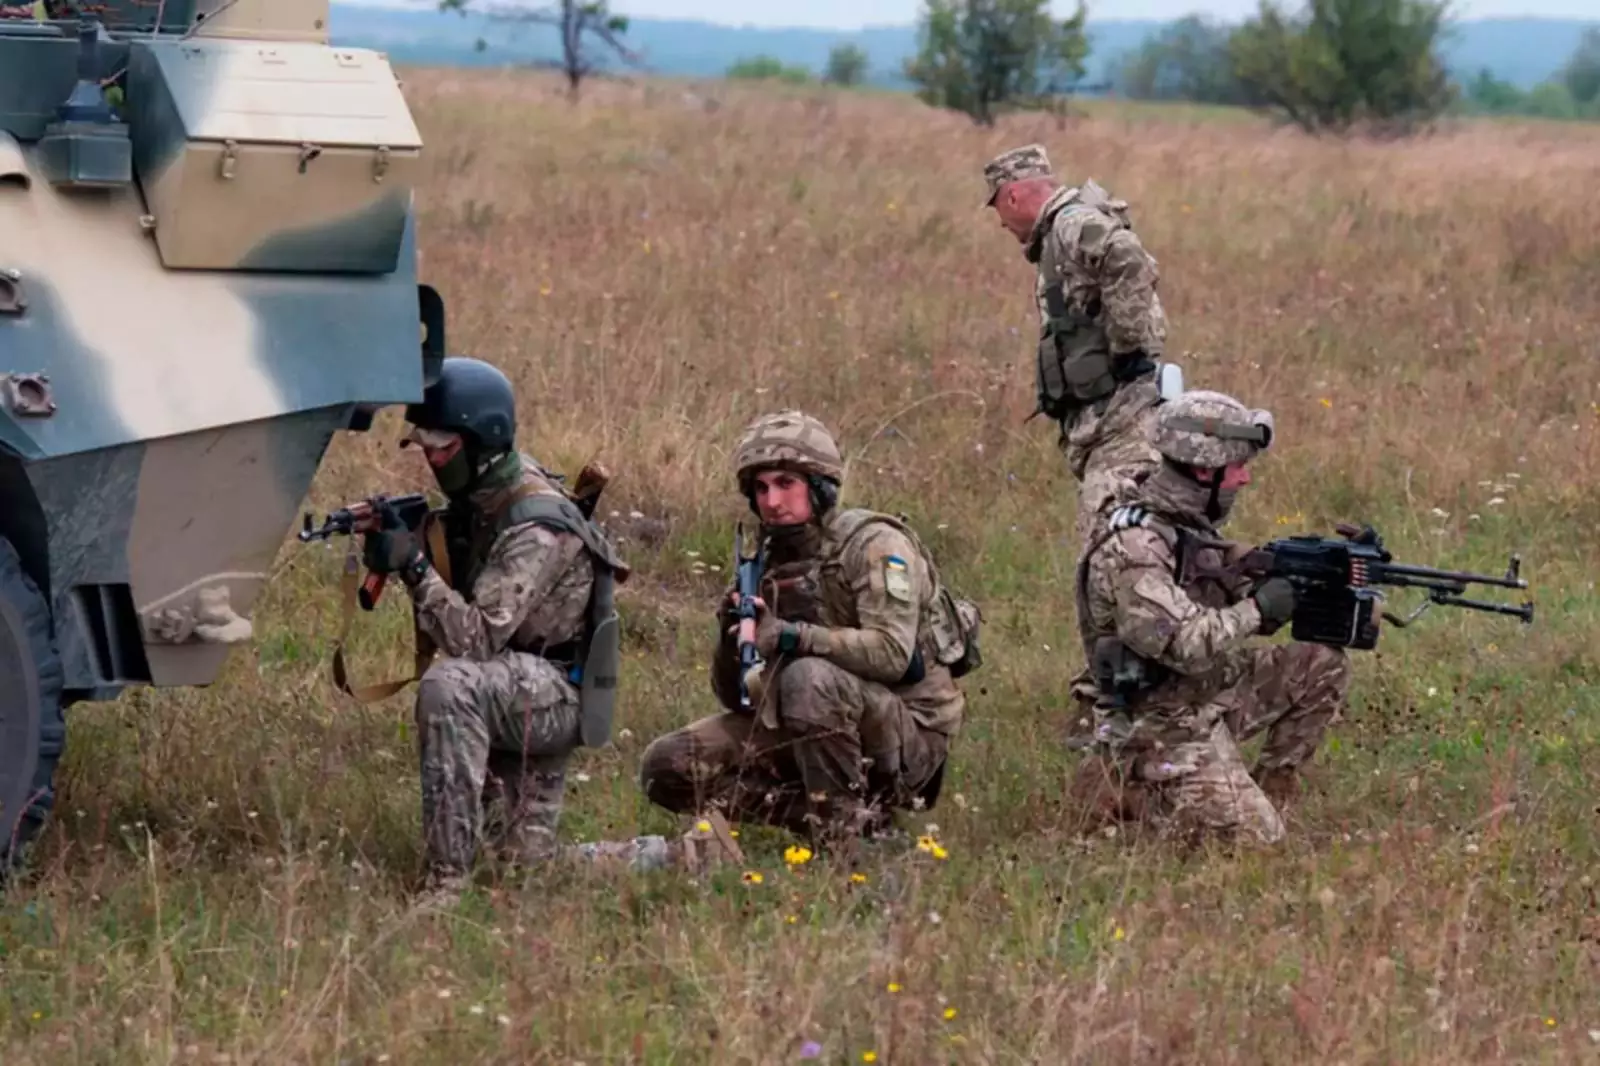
(200, 284)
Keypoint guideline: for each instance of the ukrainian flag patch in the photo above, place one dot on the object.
(897, 578)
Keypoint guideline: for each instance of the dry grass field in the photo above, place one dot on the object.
(229, 876)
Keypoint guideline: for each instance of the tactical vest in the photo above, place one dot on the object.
(1075, 366)
(596, 655)
(1121, 674)
(949, 628)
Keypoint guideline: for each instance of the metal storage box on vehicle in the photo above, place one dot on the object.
(272, 155)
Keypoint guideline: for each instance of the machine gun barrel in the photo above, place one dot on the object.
(1429, 577)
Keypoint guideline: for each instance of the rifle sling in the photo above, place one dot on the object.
(351, 584)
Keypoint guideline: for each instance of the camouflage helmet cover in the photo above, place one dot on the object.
(1210, 429)
(790, 440)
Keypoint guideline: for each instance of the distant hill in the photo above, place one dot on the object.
(1523, 51)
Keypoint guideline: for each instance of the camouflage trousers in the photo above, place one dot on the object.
(1108, 450)
(496, 737)
(1184, 762)
(843, 749)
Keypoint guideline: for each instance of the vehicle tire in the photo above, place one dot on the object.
(32, 729)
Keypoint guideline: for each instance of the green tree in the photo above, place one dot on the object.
(581, 23)
(1187, 60)
(1582, 72)
(1339, 64)
(1494, 96)
(978, 56)
(767, 68)
(847, 65)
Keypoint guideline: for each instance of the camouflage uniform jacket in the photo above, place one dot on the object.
(864, 604)
(525, 588)
(1084, 241)
(1159, 586)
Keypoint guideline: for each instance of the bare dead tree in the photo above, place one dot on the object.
(581, 23)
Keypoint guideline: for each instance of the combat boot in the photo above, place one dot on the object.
(442, 888)
(1104, 794)
(1281, 785)
(708, 843)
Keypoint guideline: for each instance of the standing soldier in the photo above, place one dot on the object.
(1101, 332)
(1166, 628)
(1102, 329)
(856, 705)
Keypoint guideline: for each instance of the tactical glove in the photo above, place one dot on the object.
(393, 549)
(1275, 599)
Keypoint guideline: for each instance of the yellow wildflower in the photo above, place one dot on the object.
(753, 877)
(792, 919)
(869, 1056)
(894, 986)
(949, 1014)
(858, 879)
(702, 826)
(940, 853)
(1119, 934)
(796, 855)
(1325, 402)
(926, 843)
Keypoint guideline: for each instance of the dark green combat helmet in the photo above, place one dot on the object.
(471, 398)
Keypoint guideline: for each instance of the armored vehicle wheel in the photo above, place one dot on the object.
(32, 730)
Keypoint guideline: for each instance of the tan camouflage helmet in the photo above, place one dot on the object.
(1210, 429)
(791, 440)
(1015, 164)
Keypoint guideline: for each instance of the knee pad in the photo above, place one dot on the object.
(445, 682)
(809, 695)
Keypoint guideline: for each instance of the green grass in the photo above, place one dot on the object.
(229, 877)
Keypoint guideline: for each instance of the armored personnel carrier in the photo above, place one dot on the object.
(207, 269)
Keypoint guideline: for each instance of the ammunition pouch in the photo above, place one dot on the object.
(1075, 366)
(599, 649)
(1121, 675)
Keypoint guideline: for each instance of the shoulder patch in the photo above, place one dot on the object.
(1127, 517)
(897, 578)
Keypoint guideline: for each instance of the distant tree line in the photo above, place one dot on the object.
(1328, 66)
(1342, 63)
(1574, 91)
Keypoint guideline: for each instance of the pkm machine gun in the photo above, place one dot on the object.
(1338, 585)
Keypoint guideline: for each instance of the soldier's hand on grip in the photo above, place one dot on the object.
(390, 549)
(1275, 599)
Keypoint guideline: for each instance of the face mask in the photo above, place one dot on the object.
(455, 476)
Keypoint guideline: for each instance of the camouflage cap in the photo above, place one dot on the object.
(1029, 161)
(1210, 429)
(790, 440)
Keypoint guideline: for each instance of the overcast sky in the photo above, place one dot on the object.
(852, 14)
